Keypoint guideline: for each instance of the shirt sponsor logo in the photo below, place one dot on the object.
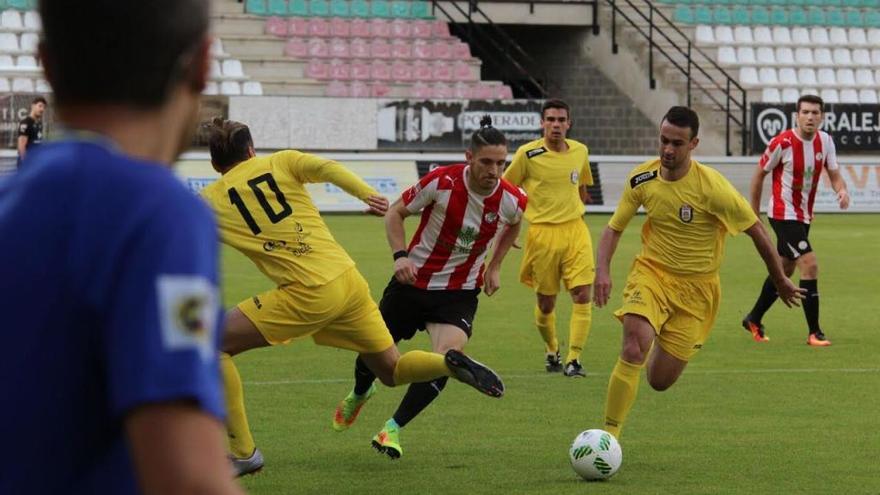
(574, 177)
(642, 178)
(535, 152)
(686, 213)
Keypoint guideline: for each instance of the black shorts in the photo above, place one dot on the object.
(407, 309)
(792, 240)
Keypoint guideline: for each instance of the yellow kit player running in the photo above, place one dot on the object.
(673, 291)
(264, 210)
(555, 172)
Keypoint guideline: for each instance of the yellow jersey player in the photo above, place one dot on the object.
(555, 173)
(673, 291)
(264, 211)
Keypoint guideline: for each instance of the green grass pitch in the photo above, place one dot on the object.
(744, 418)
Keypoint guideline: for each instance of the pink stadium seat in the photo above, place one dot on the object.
(380, 90)
(298, 26)
(340, 28)
(360, 70)
(401, 28)
(319, 27)
(339, 48)
(359, 48)
(318, 48)
(422, 50)
(359, 89)
(484, 92)
(441, 29)
(296, 47)
(380, 28)
(422, 71)
(461, 51)
(340, 70)
(422, 29)
(359, 28)
(276, 26)
(462, 91)
(442, 49)
(420, 91)
(401, 71)
(318, 69)
(337, 89)
(462, 72)
(401, 49)
(441, 90)
(503, 92)
(380, 48)
(380, 70)
(442, 71)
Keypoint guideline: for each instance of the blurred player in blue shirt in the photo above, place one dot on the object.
(109, 267)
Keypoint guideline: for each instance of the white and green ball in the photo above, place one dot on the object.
(595, 455)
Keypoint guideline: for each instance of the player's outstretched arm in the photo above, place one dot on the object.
(493, 270)
(178, 449)
(602, 284)
(839, 186)
(756, 188)
(788, 292)
(404, 270)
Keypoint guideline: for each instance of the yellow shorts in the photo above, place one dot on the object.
(681, 309)
(340, 313)
(557, 252)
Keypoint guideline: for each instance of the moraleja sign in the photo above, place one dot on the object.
(854, 127)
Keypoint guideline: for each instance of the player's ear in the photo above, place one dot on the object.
(468, 155)
(694, 142)
(251, 152)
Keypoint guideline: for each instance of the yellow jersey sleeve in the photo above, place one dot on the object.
(516, 171)
(307, 168)
(728, 205)
(631, 199)
(586, 175)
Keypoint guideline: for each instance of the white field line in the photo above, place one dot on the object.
(694, 372)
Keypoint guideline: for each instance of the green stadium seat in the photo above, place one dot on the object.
(853, 4)
(759, 2)
(814, 3)
(721, 15)
(683, 14)
(740, 2)
(831, 3)
(854, 18)
(741, 15)
(870, 4)
(872, 19)
(359, 8)
(277, 7)
(298, 8)
(668, 1)
(18, 4)
(760, 15)
(835, 17)
(257, 7)
(400, 9)
(779, 3)
(422, 10)
(319, 8)
(779, 16)
(380, 8)
(339, 8)
(816, 16)
(798, 17)
(796, 3)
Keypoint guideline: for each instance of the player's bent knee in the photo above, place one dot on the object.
(580, 294)
(546, 303)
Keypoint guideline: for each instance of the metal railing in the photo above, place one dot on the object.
(732, 100)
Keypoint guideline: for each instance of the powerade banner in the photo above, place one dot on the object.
(448, 125)
(855, 128)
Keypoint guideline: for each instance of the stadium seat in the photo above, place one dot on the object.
(788, 76)
(865, 78)
(359, 8)
(768, 76)
(849, 96)
(318, 69)
(800, 36)
(337, 89)
(778, 16)
(319, 8)
(360, 71)
(401, 28)
(842, 56)
(872, 19)
(442, 91)
(740, 15)
(422, 71)
(704, 35)
(257, 7)
(32, 21)
(276, 26)
(380, 8)
(319, 48)
(380, 48)
(359, 48)
(461, 51)
(297, 48)
(760, 15)
(871, 4)
(340, 70)
(401, 71)
(724, 35)
(462, 91)
(439, 29)
(422, 29)
(339, 48)
(819, 36)
(826, 77)
(422, 50)
(359, 89)
(217, 48)
(442, 50)
(816, 17)
(340, 28)
(380, 70)
(232, 68)
(211, 88)
(762, 35)
(216, 72)
(854, 18)
(803, 56)
(7, 63)
(835, 17)
(874, 36)
(380, 90)
(359, 28)
(748, 76)
(42, 86)
(857, 37)
(861, 57)
(421, 10)
(790, 95)
(837, 36)
(798, 17)
(380, 28)
(8, 43)
(252, 88)
(401, 49)
(683, 14)
(400, 9)
(26, 62)
(743, 35)
(10, 20)
(770, 95)
(867, 96)
(504, 92)
(339, 8)
(785, 56)
(298, 8)
(727, 55)
(845, 77)
(781, 35)
(745, 55)
(420, 90)
(807, 77)
(765, 56)
(19, 4)
(442, 71)
(822, 56)
(22, 85)
(29, 42)
(319, 27)
(4, 85)
(484, 91)
(277, 7)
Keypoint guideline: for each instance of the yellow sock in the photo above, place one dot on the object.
(241, 442)
(578, 330)
(420, 366)
(546, 324)
(622, 389)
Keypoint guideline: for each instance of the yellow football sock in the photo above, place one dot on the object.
(420, 366)
(241, 442)
(622, 389)
(546, 324)
(578, 330)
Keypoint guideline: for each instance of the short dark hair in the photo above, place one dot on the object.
(487, 135)
(810, 99)
(555, 103)
(39, 99)
(111, 51)
(229, 142)
(683, 117)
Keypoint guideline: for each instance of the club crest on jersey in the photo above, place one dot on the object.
(686, 213)
(535, 152)
(574, 176)
(490, 217)
(819, 156)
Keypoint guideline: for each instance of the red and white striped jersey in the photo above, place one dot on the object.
(457, 227)
(796, 166)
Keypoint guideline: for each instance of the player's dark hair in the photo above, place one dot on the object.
(555, 103)
(229, 142)
(487, 135)
(112, 51)
(39, 99)
(810, 99)
(683, 117)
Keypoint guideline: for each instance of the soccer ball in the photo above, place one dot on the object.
(595, 455)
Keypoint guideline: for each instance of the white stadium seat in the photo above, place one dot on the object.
(807, 77)
(748, 76)
(771, 95)
(211, 88)
(763, 37)
(27, 62)
(767, 75)
(875, 56)
(7, 63)
(874, 36)
(861, 57)
(705, 35)
(5, 87)
(803, 56)
(830, 96)
(857, 37)
(867, 96)
(800, 36)
(230, 88)
(746, 55)
(252, 88)
(32, 21)
(215, 73)
(22, 85)
(723, 34)
(842, 56)
(849, 96)
(42, 86)
(765, 55)
(29, 42)
(781, 35)
(790, 95)
(845, 77)
(8, 43)
(822, 56)
(726, 55)
(788, 76)
(217, 48)
(826, 77)
(10, 20)
(837, 36)
(232, 68)
(865, 78)
(784, 55)
(819, 36)
(743, 35)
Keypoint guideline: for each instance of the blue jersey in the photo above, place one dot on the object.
(108, 301)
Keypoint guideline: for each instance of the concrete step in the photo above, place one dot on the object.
(260, 68)
(227, 7)
(237, 23)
